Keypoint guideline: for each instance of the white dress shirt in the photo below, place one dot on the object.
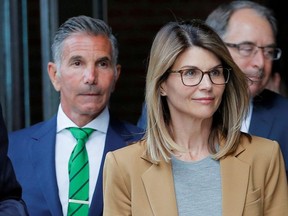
(246, 122)
(65, 143)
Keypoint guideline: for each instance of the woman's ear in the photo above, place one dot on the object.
(162, 90)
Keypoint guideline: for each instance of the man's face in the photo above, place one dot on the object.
(245, 26)
(86, 76)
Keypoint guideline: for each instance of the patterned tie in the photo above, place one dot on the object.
(79, 174)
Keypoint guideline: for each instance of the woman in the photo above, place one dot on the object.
(194, 160)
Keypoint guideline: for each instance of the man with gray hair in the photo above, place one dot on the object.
(249, 31)
(59, 162)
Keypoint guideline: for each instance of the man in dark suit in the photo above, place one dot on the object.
(249, 31)
(10, 190)
(85, 72)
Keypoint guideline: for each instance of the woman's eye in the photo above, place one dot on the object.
(215, 72)
(189, 72)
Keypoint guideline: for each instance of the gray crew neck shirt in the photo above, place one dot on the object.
(198, 187)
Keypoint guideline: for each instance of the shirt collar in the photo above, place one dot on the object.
(100, 123)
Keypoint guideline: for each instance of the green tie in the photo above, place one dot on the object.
(79, 174)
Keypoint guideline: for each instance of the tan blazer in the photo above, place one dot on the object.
(253, 182)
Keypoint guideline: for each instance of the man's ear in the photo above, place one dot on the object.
(54, 78)
(116, 76)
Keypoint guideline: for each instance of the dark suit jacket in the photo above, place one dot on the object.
(270, 120)
(32, 152)
(10, 190)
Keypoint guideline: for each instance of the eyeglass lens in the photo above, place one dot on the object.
(249, 49)
(193, 76)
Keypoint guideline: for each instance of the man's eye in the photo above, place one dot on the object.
(77, 63)
(269, 50)
(246, 48)
(103, 64)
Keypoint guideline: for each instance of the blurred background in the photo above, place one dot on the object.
(26, 32)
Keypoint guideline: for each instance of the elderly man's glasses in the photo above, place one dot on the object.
(249, 49)
(193, 76)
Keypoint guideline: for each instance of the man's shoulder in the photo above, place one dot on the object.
(271, 100)
(35, 128)
(126, 129)
(124, 125)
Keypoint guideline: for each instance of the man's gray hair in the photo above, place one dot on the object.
(82, 24)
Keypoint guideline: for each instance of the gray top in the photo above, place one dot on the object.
(198, 187)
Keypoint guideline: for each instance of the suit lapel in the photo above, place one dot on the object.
(42, 151)
(163, 202)
(261, 115)
(113, 141)
(235, 176)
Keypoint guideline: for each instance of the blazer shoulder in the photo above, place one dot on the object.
(259, 148)
(136, 149)
(258, 142)
(129, 159)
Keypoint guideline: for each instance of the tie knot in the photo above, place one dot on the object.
(81, 133)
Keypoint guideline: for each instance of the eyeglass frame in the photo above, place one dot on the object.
(203, 73)
(254, 51)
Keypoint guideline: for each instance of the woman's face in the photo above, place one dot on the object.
(196, 102)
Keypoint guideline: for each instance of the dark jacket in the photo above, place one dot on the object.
(10, 190)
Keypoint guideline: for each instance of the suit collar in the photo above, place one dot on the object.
(113, 142)
(117, 137)
(261, 121)
(42, 150)
(263, 106)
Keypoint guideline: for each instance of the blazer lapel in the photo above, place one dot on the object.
(235, 176)
(42, 151)
(159, 187)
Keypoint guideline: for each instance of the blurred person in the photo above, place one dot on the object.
(249, 31)
(85, 72)
(11, 203)
(194, 160)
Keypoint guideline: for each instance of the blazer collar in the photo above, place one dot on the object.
(234, 174)
(235, 178)
(159, 186)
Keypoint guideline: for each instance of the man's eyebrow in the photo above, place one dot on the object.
(75, 58)
(252, 43)
(105, 58)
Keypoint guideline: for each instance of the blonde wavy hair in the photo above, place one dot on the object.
(171, 40)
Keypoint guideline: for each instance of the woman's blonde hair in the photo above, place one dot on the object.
(171, 40)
